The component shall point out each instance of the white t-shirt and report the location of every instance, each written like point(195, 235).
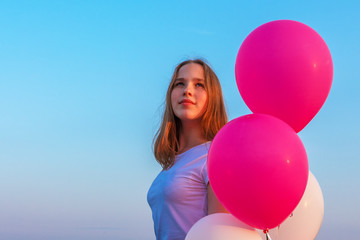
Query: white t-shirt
point(178, 196)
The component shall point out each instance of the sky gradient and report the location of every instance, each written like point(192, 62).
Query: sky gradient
point(82, 86)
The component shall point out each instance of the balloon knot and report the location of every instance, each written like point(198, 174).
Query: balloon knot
point(267, 234)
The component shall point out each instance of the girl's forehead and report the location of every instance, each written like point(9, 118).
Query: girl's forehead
point(191, 70)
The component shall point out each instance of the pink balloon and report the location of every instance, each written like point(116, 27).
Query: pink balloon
point(258, 169)
point(284, 68)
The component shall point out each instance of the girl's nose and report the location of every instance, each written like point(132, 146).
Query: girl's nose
point(187, 91)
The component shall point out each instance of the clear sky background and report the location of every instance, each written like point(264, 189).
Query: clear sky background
point(82, 85)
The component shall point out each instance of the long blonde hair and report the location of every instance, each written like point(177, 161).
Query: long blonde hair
point(166, 140)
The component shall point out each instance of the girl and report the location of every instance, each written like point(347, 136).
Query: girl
point(194, 112)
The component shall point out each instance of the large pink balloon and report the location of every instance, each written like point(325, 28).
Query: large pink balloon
point(284, 68)
point(258, 169)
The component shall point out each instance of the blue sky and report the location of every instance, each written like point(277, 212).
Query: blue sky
point(82, 85)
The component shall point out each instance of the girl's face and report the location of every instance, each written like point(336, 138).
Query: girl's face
point(189, 97)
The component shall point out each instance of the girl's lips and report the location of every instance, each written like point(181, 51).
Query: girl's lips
point(186, 104)
point(186, 101)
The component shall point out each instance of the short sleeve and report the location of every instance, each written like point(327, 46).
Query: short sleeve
point(204, 173)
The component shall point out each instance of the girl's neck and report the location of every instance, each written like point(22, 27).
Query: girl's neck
point(190, 136)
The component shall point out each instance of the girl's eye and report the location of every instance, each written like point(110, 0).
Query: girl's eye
point(200, 85)
point(179, 84)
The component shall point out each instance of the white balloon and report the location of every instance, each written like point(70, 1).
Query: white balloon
point(305, 221)
point(221, 226)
